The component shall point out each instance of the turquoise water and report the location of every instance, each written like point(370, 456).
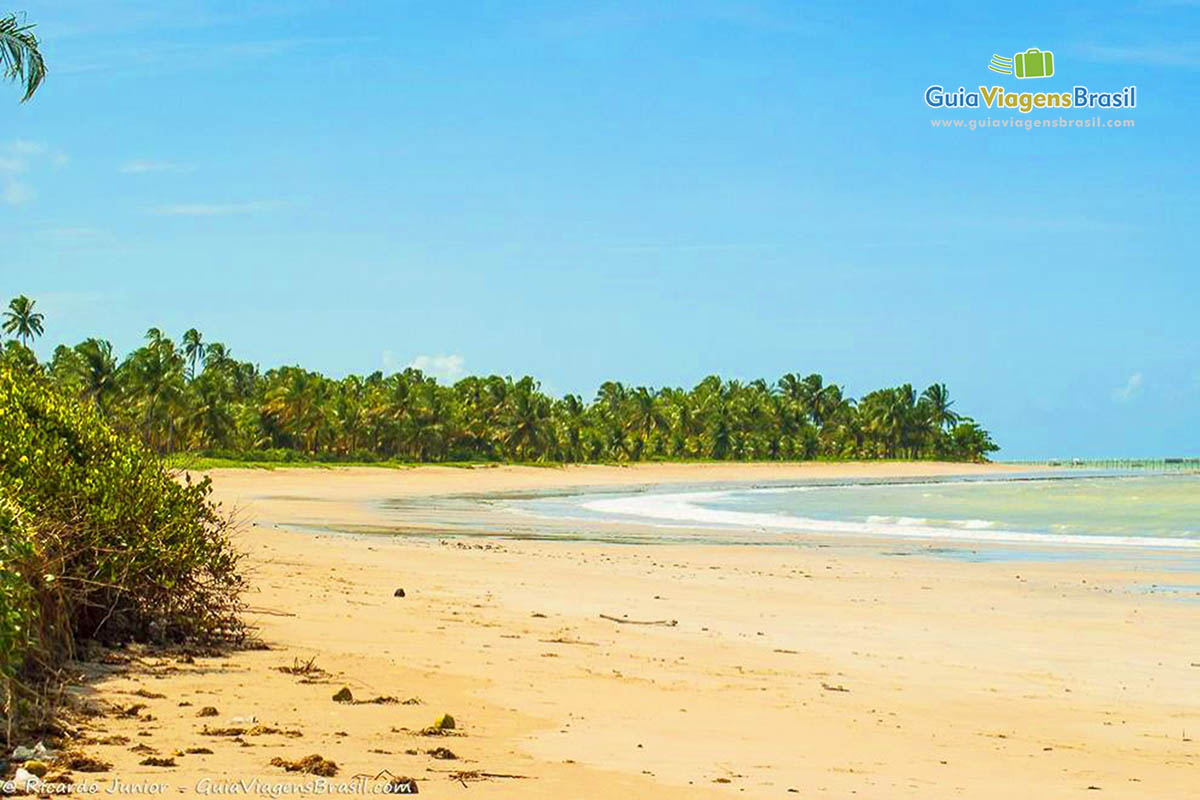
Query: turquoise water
point(1112, 510)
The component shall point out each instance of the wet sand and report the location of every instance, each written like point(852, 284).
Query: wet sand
point(830, 670)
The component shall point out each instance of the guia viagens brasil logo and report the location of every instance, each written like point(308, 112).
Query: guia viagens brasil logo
point(1029, 64)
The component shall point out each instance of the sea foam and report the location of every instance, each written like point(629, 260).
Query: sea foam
point(687, 509)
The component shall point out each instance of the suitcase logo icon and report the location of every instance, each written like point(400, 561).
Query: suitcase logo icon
point(1033, 63)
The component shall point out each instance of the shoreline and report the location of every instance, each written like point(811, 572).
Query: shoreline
point(447, 510)
point(821, 669)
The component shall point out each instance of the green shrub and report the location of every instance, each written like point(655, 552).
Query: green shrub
point(16, 553)
point(97, 541)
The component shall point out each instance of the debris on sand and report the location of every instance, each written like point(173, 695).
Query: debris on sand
point(669, 623)
point(307, 669)
point(266, 730)
point(312, 765)
point(82, 763)
point(387, 700)
point(829, 687)
point(38, 751)
point(149, 695)
point(463, 776)
point(398, 593)
point(442, 753)
point(155, 761)
point(24, 781)
point(344, 696)
point(38, 768)
point(198, 751)
point(434, 730)
point(444, 723)
point(208, 711)
point(131, 711)
point(207, 731)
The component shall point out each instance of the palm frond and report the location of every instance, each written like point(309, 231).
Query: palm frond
point(20, 58)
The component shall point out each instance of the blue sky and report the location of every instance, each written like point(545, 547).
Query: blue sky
point(642, 191)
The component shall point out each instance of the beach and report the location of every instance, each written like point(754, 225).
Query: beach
point(585, 669)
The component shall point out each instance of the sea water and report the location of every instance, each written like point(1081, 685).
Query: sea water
point(1150, 511)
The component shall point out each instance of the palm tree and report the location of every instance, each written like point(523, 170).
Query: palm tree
point(937, 401)
point(643, 417)
point(193, 350)
point(526, 420)
point(156, 374)
point(216, 355)
point(22, 321)
point(97, 371)
point(211, 416)
point(20, 58)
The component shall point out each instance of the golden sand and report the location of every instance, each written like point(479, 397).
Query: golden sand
point(832, 670)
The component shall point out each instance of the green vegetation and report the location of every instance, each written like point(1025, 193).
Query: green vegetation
point(197, 398)
point(97, 542)
point(20, 58)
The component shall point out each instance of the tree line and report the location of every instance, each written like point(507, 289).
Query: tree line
point(196, 396)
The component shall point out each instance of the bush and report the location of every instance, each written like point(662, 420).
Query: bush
point(97, 541)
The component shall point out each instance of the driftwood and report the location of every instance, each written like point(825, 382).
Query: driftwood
point(269, 612)
point(462, 776)
point(670, 623)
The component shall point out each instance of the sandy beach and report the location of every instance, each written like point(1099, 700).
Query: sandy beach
point(833, 670)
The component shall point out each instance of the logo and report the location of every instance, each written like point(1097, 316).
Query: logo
point(396, 784)
point(1033, 63)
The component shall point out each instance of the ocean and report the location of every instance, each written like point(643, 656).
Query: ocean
point(1092, 509)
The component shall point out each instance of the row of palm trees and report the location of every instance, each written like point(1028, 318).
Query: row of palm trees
point(195, 396)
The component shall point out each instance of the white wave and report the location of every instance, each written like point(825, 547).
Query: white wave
point(974, 524)
point(683, 510)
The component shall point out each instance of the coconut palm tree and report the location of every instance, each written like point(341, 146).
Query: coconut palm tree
point(216, 356)
point(193, 350)
point(97, 372)
point(155, 374)
point(937, 401)
point(20, 59)
point(210, 418)
point(22, 321)
point(526, 420)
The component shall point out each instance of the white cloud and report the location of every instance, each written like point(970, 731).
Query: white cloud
point(24, 156)
point(25, 147)
point(16, 193)
point(211, 209)
point(140, 166)
point(1131, 389)
point(446, 368)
